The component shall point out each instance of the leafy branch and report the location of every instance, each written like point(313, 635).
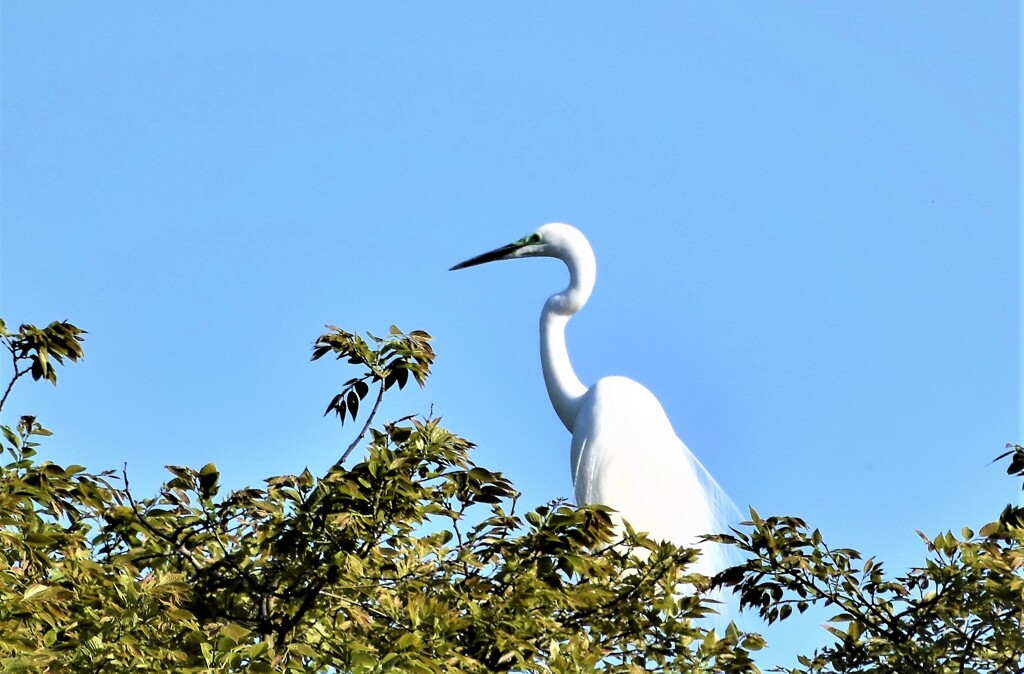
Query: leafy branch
point(390, 361)
point(414, 559)
point(34, 350)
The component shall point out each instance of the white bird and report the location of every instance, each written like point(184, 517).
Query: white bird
point(625, 453)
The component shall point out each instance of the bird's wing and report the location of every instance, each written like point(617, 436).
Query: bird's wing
point(627, 456)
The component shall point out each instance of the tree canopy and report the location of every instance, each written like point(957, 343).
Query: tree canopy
point(415, 559)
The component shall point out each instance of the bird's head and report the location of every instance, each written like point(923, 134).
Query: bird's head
point(554, 239)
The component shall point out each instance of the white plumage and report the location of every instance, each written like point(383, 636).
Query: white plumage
point(625, 453)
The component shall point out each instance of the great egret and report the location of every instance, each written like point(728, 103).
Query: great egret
point(625, 454)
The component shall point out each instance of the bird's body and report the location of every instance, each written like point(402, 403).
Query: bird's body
point(625, 453)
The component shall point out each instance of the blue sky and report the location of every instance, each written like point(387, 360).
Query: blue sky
point(806, 218)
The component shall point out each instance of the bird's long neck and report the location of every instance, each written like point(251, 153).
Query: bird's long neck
point(564, 387)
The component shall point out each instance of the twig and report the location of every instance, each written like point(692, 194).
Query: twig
point(17, 374)
point(307, 603)
point(142, 520)
point(366, 426)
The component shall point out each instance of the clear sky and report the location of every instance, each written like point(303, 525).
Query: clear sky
point(806, 218)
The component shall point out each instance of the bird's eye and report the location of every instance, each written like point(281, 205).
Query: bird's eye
point(534, 238)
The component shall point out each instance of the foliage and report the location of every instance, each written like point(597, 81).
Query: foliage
point(413, 559)
point(389, 364)
point(962, 611)
point(33, 350)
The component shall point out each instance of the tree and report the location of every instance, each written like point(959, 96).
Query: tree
point(413, 559)
point(961, 611)
point(416, 559)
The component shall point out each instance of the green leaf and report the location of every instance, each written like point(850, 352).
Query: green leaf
point(352, 401)
point(990, 529)
point(207, 651)
point(11, 436)
point(361, 389)
point(235, 632)
point(304, 650)
point(35, 591)
point(209, 479)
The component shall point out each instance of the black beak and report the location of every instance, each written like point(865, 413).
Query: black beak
point(490, 256)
